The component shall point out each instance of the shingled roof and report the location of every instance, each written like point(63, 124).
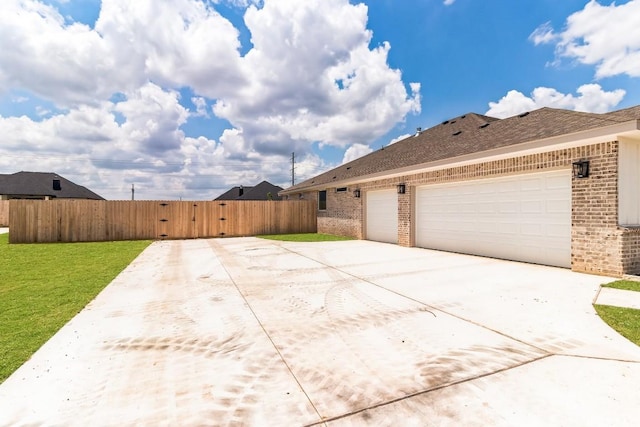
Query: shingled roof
point(261, 192)
point(39, 184)
point(258, 192)
point(464, 135)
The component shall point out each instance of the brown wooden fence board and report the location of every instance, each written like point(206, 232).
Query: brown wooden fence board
point(4, 213)
point(34, 221)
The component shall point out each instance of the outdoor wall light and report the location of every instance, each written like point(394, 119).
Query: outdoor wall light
point(401, 188)
point(356, 193)
point(581, 169)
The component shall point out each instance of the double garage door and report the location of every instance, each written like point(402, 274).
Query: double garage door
point(522, 218)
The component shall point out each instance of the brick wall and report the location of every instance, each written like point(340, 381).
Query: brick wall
point(595, 237)
point(630, 250)
point(343, 216)
point(405, 213)
point(598, 244)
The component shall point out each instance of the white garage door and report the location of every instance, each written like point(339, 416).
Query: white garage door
point(382, 216)
point(522, 218)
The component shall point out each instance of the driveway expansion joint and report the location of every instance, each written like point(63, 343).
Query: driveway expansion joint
point(228, 260)
point(429, 390)
point(432, 308)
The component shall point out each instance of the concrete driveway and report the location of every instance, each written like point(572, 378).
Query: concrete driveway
point(247, 331)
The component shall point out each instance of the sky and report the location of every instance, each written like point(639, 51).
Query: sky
point(184, 99)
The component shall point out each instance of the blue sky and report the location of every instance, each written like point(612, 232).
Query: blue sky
point(186, 98)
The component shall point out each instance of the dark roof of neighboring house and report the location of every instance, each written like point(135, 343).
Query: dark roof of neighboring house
point(233, 193)
point(468, 134)
point(41, 184)
point(258, 192)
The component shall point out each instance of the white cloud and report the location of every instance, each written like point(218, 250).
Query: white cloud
point(88, 145)
point(60, 62)
point(355, 152)
point(449, 2)
point(309, 77)
point(543, 34)
point(591, 99)
point(153, 120)
point(607, 37)
point(239, 3)
point(201, 106)
point(313, 78)
point(175, 44)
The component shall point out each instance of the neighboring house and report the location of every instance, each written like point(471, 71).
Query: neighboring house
point(550, 186)
point(43, 186)
point(263, 191)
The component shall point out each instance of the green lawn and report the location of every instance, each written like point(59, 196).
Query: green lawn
point(42, 286)
point(626, 321)
point(305, 237)
point(627, 285)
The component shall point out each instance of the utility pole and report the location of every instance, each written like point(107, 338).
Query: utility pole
point(293, 169)
point(132, 192)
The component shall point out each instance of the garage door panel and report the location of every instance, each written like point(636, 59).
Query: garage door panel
point(484, 207)
point(557, 182)
point(528, 226)
point(532, 206)
point(524, 218)
point(382, 216)
point(558, 206)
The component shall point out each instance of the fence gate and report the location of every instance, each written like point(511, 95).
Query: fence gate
point(177, 220)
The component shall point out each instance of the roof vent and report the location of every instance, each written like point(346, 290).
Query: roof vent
point(445, 122)
point(418, 130)
point(462, 117)
point(484, 125)
point(333, 177)
point(348, 167)
point(453, 121)
point(523, 114)
point(457, 133)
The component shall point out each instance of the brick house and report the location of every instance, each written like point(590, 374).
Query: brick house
point(550, 186)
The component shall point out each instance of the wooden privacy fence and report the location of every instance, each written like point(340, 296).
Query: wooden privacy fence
point(4, 213)
point(42, 221)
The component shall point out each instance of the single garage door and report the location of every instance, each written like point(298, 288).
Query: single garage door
point(382, 216)
point(522, 218)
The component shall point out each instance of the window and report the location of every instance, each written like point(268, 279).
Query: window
point(322, 200)
point(341, 189)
